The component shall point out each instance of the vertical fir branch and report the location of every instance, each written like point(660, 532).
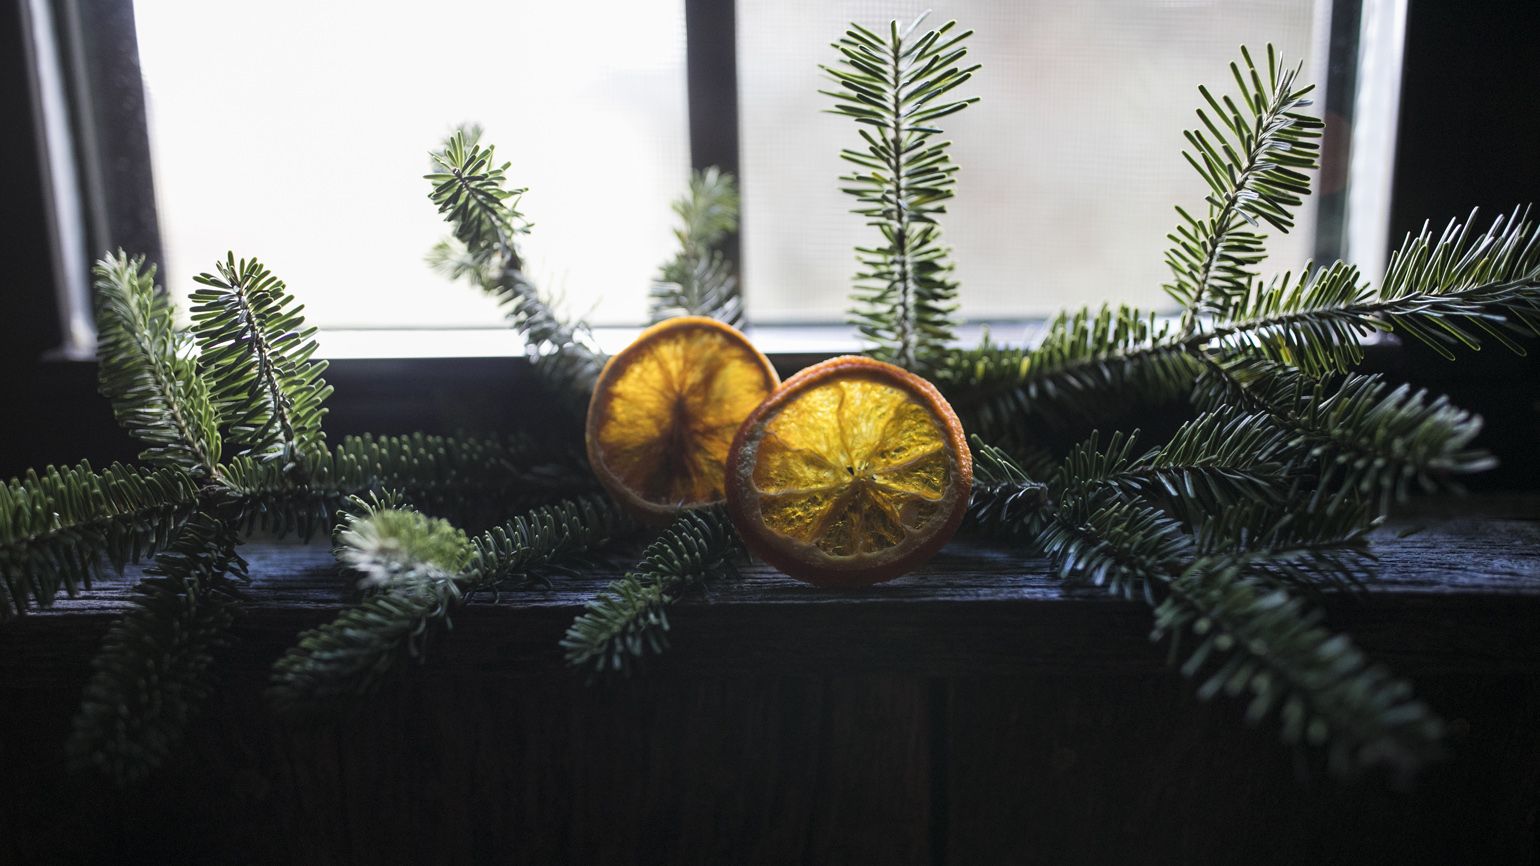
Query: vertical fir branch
point(1254, 157)
point(257, 353)
point(891, 86)
point(699, 280)
point(147, 370)
point(152, 672)
point(470, 191)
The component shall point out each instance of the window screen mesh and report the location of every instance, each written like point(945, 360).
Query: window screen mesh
point(1070, 163)
point(298, 132)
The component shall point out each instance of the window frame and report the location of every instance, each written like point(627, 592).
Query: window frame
point(105, 125)
point(55, 381)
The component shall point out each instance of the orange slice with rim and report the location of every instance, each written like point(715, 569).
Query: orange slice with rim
point(664, 411)
point(852, 472)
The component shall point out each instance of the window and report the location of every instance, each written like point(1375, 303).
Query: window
point(298, 132)
point(1070, 162)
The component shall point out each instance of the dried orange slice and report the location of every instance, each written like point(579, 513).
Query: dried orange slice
point(853, 472)
point(664, 411)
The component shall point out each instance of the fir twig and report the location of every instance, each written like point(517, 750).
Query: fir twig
point(699, 280)
point(466, 478)
point(59, 529)
point(629, 619)
point(419, 569)
point(470, 190)
point(147, 370)
point(1217, 460)
point(1452, 291)
point(152, 672)
point(894, 86)
point(1225, 591)
point(1259, 642)
point(1089, 363)
point(257, 353)
point(1253, 151)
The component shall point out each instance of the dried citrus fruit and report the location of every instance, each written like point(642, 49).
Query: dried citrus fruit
point(852, 472)
point(664, 411)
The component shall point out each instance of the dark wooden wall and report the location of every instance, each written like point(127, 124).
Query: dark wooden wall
point(976, 713)
point(852, 768)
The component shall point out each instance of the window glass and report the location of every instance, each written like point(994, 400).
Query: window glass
point(1070, 163)
point(298, 132)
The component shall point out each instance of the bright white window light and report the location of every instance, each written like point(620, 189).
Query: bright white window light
point(1070, 163)
point(298, 132)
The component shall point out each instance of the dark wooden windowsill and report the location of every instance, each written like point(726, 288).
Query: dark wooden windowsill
point(1463, 592)
point(977, 712)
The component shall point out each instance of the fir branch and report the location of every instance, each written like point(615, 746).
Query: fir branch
point(699, 281)
point(629, 619)
point(412, 563)
point(146, 369)
point(1315, 322)
point(546, 541)
point(1368, 439)
point(468, 478)
point(256, 351)
point(1254, 151)
point(152, 673)
point(1088, 363)
point(1226, 589)
point(893, 87)
point(1452, 293)
point(471, 193)
point(421, 569)
point(1005, 500)
point(1214, 461)
point(1257, 640)
point(1126, 546)
point(59, 528)
point(1297, 547)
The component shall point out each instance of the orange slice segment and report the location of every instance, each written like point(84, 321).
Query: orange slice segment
point(664, 411)
point(853, 472)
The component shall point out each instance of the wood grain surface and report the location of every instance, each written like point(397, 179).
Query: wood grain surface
point(976, 712)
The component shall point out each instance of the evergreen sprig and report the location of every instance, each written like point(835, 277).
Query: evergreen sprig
point(471, 479)
point(629, 619)
point(256, 352)
point(409, 564)
point(699, 280)
point(1368, 438)
point(419, 569)
point(470, 189)
point(152, 674)
point(1258, 642)
point(895, 86)
point(1253, 151)
point(1089, 363)
point(1452, 291)
point(1325, 547)
point(1225, 589)
point(147, 369)
point(1214, 461)
point(59, 529)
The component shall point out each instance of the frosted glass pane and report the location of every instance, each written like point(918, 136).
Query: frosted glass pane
point(298, 132)
point(1070, 164)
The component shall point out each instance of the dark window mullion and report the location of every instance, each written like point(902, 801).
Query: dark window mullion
point(102, 48)
point(711, 58)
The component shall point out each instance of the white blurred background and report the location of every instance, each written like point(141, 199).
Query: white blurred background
point(298, 132)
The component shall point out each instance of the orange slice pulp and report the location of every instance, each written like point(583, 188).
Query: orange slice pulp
point(664, 411)
point(853, 472)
